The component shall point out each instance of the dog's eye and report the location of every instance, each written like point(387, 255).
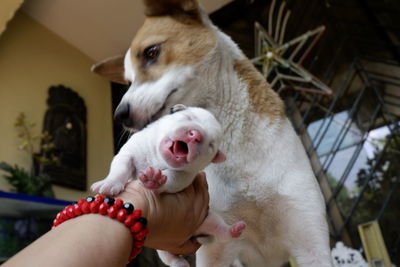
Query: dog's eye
point(151, 53)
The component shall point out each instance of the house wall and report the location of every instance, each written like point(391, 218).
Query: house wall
point(7, 10)
point(31, 60)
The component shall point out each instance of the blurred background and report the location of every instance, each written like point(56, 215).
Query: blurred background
point(336, 63)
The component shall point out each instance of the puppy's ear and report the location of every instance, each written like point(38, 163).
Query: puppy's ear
point(220, 157)
point(178, 8)
point(111, 68)
point(177, 107)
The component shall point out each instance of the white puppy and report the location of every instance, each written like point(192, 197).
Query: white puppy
point(166, 156)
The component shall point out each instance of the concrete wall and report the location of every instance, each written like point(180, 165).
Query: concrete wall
point(31, 60)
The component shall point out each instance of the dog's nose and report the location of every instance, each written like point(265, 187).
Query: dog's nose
point(122, 115)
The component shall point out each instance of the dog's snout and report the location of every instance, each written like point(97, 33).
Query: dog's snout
point(122, 115)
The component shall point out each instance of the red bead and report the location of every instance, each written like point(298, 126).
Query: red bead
point(138, 244)
point(112, 212)
point(77, 210)
point(134, 253)
point(81, 201)
point(137, 226)
point(121, 215)
point(99, 198)
point(141, 235)
point(130, 220)
point(59, 216)
point(70, 211)
point(65, 215)
point(94, 207)
point(85, 207)
point(103, 208)
point(56, 222)
point(137, 213)
point(118, 203)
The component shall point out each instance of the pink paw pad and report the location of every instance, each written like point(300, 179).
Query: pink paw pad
point(236, 229)
point(152, 179)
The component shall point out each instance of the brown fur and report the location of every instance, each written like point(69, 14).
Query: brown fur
point(177, 8)
point(265, 101)
point(181, 44)
point(111, 68)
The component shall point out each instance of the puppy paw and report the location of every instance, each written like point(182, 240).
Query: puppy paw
point(236, 229)
point(107, 187)
point(152, 179)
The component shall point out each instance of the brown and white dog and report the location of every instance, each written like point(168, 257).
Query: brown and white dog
point(178, 56)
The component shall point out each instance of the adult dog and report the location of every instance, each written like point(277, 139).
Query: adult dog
point(178, 56)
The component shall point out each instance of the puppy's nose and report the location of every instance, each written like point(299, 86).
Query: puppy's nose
point(122, 115)
point(195, 136)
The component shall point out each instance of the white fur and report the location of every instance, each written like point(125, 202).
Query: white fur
point(142, 151)
point(128, 74)
point(147, 98)
point(343, 256)
point(267, 180)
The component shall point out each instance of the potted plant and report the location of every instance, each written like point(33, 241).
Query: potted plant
point(34, 181)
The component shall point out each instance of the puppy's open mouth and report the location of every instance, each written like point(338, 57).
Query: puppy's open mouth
point(159, 113)
point(179, 149)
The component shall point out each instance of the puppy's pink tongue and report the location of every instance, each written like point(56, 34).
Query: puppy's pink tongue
point(180, 149)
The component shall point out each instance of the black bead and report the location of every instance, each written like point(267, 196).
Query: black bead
point(143, 221)
point(90, 199)
point(128, 207)
point(109, 200)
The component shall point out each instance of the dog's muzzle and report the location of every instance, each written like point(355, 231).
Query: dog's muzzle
point(122, 115)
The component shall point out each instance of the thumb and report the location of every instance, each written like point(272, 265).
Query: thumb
point(187, 248)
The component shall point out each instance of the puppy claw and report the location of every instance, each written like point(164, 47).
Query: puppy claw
point(237, 228)
point(152, 179)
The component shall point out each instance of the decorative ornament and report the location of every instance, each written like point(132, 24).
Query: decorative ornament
point(279, 61)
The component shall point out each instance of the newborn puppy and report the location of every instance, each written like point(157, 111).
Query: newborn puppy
point(166, 156)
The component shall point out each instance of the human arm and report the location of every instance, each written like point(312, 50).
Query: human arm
point(95, 240)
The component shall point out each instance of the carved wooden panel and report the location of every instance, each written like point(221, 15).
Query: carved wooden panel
point(65, 120)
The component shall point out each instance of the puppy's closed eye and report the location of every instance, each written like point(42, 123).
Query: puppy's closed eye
point(177, 107)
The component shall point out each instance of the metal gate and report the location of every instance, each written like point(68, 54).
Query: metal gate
point(353, 136)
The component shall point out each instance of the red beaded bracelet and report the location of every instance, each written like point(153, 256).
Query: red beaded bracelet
point(113, 208)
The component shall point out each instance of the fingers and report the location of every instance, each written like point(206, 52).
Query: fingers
point(189, 247)
point(201, 188)
point(200, 181)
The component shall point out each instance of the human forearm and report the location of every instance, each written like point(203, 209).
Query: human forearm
point(90, 240)
point(96, 240)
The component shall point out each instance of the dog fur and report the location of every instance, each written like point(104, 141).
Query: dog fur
point(166, 156)
point(267, 180)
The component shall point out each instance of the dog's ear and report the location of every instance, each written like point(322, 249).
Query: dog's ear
point(111, 68)
point(220, 157)
point(178, 8)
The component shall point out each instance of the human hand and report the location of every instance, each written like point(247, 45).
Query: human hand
point(172, 218)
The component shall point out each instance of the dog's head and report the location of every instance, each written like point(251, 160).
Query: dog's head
point(160, 64)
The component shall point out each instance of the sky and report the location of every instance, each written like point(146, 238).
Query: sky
point(348, 146)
